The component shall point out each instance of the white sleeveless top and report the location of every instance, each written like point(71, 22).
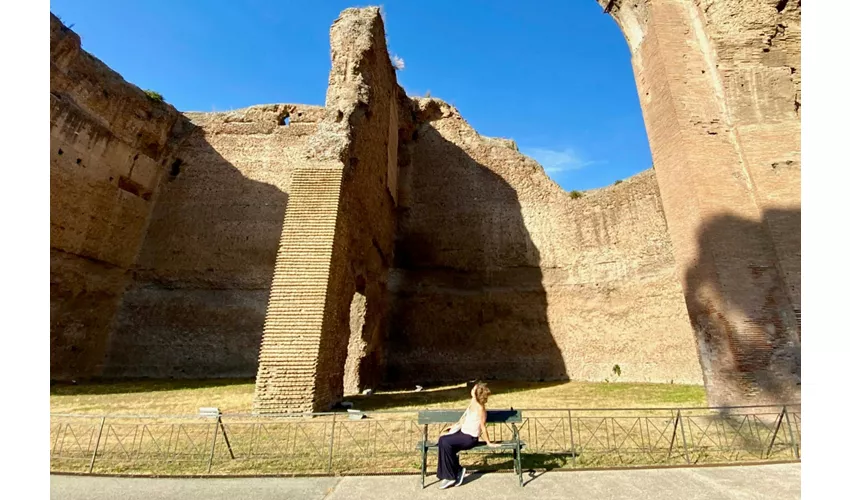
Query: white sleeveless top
point(471, 425)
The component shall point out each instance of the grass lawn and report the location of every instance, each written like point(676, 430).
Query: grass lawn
point(175, 397)
point(387, 442)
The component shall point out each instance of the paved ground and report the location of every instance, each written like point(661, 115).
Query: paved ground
point(774, 482)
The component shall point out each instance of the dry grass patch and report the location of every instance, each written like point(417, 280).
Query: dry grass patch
point(184, 397)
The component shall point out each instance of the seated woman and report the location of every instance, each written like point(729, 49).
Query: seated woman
point(463, 436)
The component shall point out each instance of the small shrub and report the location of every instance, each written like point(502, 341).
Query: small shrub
point(618, 181)
point(427, 93)
point(616, 370)
point(154, 96)
point(575, 194)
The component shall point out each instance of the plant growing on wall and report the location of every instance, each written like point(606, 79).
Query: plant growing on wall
point(154, 95)
point(576, 194)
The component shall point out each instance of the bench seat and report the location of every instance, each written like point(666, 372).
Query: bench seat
point(513, 445)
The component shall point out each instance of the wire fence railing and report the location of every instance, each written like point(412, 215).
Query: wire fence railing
point(385, 441)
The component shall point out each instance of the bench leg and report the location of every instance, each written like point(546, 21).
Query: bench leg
point(519, 463)
point(424, 463)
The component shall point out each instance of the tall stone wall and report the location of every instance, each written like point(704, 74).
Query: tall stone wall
point(414, 244)
point(201, 285)
point(720, 102)
point(336, 244)
point(109, 144)
point(500, 274)
point(759, 72)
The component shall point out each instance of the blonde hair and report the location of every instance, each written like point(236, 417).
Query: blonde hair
point(482, 392)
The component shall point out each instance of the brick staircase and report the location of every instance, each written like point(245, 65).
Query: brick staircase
point(293, 327)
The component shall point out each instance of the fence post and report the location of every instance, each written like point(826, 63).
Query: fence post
point(775, 432)
point(673, 439)
point(96, 444)
point(212, 448)
point(572, 443)
point(331, 448)
point(226, 440)
point(793, 437)
point(684, 441)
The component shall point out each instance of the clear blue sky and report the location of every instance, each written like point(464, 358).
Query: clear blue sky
point(555, 77)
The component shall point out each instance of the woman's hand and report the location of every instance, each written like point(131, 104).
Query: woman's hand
point(493, 445)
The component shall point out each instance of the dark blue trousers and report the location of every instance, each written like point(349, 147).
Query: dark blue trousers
point(448, 463)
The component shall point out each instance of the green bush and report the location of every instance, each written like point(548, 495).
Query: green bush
point(154, 96)
point(575, 194)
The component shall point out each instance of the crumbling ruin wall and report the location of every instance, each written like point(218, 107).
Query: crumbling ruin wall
point(718, 83)
point(500, 274)
point(337, 240)
point(109, 144)
point(201, 285)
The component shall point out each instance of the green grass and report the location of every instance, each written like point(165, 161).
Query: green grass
point(174, 397)
point(383, 442)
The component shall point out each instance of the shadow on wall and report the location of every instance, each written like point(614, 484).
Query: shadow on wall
point(198, 301)
point(742, 309)
point(467, 296)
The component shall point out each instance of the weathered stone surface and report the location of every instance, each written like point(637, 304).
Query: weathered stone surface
point(720, 106)
point(108, 144)
point(413, 249)
point(201, 285)
point(500, 274)
point(345, 208)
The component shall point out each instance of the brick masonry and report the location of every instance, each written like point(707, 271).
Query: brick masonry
point(381, 240)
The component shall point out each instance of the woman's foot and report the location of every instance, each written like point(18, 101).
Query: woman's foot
point(461, 476)
point(447, 483)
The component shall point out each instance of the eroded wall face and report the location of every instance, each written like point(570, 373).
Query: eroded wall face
point(499, 274)
point(198, 299)
point(337, 237)
point(757, 46)
point(721, 122)
point(108, 145)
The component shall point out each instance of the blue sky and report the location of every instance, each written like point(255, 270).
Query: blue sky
point(554, 75)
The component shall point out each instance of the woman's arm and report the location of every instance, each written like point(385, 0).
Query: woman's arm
point(483, 424)
point(457, 424)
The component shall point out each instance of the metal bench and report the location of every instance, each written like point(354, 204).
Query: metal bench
point(514, 445)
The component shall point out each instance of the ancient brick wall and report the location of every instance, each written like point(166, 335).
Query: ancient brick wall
point(720, 112)
point(230, 221)
point(109, 144)
point(337, 238)
point(757, 45)
point(201, 285)
point(500, 274)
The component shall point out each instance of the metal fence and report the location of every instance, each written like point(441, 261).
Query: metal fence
point(385, 441)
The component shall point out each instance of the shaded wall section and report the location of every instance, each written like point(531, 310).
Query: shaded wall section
point(109, 144)
point(198, 299)
point(500, 274)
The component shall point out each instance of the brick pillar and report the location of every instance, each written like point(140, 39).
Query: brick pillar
point(739, 306)
point(295, 320)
